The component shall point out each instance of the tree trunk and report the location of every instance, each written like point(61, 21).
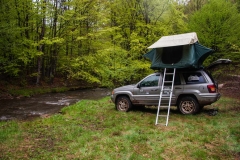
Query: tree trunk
point(41, 47)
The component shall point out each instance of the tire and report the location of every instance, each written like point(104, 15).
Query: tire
point(123, 104)
point(188, 105)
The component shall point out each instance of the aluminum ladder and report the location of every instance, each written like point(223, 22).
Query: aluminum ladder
point(167, 90)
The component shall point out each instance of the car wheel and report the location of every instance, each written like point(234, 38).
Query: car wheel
point(188, 105)
point(123, 104)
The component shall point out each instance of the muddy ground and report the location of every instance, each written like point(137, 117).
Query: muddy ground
point(230, 88)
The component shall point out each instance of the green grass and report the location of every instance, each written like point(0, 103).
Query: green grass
point(95, 130)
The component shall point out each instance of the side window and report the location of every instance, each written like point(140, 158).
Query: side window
point(150, 81)
point(193, 78)
point(177, 80)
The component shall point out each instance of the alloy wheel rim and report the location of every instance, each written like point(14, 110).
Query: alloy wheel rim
point(123, 105)
point(188, 106)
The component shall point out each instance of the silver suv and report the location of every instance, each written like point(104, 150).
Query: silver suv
point(193, 89)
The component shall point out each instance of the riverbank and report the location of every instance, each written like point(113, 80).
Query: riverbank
point(229, 87)
point(11, 89)
point(46, 104)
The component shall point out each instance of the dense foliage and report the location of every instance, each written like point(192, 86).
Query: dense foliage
point(102, 41)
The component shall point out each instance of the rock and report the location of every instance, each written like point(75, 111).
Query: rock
point(220, 86)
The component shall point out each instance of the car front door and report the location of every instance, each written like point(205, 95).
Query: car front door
point(148, 90)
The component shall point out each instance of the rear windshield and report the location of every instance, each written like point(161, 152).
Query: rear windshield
point(194, 78)
point(211, 77)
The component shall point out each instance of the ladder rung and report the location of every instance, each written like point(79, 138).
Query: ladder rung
point(167, 89)
point(161, 124)
point(164, 106)
point(162, 115)
point(169, 73)
point(168, 81)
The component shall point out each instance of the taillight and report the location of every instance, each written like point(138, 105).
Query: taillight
point(212, 88)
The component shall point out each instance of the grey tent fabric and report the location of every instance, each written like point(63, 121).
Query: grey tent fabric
point(178, 51)
point(192, 56)
point(175, 40)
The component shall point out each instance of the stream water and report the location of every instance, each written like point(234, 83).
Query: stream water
point(45, 104)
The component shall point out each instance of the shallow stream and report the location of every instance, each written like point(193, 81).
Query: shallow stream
point(45, 104)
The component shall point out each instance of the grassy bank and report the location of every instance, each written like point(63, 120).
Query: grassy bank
point(95, 130)
point(13, 89)
point(28, 92)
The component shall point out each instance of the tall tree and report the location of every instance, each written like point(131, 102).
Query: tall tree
point(192, 6)
point(92, 40)
point(217, 25)
point(41, 29)
point(17, 47)
point(237, 2)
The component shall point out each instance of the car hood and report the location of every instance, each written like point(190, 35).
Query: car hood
point(125, 88)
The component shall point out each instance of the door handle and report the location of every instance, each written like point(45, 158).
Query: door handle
point(154, 89)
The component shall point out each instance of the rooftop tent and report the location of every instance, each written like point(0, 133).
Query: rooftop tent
point(178, 51)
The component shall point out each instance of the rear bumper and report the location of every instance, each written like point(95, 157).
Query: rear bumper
point(207, 99)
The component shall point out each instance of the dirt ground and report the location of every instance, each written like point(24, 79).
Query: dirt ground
point(231, 91)
point(230, 88)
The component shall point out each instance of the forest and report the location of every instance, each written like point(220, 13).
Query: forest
point(103, 41)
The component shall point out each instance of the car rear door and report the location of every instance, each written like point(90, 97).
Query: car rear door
point(177, 89)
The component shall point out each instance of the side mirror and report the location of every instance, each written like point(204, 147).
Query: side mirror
point(138, 86)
